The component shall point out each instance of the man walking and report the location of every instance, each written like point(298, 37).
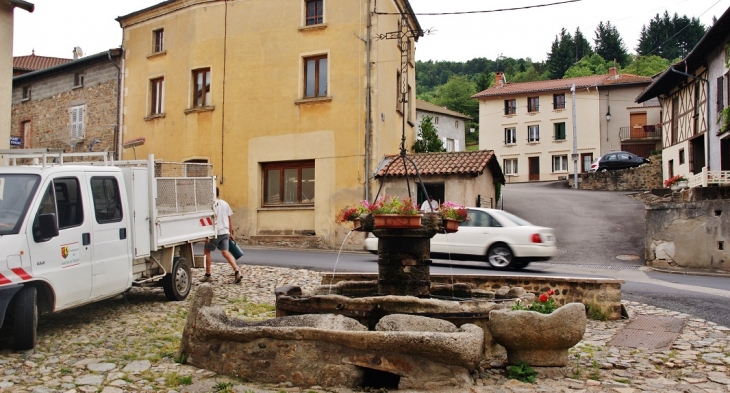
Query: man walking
point(224, 230)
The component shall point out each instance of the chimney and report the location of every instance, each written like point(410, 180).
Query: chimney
point(613, 73)
point(76, 55)
point(498, 79)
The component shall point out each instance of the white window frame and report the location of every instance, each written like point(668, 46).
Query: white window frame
point(77, 116)
point(159, 103)
point(510, 136)
point(449, 144)
point(533, 133)
point(510, 166)
point(560, 163)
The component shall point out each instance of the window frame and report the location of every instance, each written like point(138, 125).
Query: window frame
point(79, 79)
point(556, 131)
point(510, 107)
point(510, 166)
point(512, 137)
point(557, 102)
point(157, 96)
point(204, 100)
point(536, 129)
point(158, 40)
point(77, 126)
point(27, 92)
point(318, 17)
point(281, 166)
point(115, 202)
point(317, 76)
point(562, 163)
point(533, 104)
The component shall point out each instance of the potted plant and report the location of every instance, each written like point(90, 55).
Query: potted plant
point(540, 333)
point(453, 214)
point(353, 213)
point(394, 212)
point(683, 182)
point(676, 182)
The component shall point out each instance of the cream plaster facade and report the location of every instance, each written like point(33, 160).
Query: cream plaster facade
point(255, 50)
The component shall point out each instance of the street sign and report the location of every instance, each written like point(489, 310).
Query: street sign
point(574, 156)
point(16, 141)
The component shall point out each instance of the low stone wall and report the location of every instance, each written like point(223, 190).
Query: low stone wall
point(604, 294)
point(645, 177)
point(689, 231)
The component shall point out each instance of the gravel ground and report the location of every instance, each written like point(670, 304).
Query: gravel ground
point(128, 344)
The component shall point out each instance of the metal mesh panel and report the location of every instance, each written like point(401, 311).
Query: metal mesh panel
point(184, 195)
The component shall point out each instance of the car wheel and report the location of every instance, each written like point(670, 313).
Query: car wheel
point(177, 283)
point(500, 256)
point(25, 319)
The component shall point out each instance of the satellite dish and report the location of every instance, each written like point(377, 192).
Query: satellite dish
point(78, 52)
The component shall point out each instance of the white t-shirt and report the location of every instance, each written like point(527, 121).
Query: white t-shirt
point(222, 211)
point(426, 209)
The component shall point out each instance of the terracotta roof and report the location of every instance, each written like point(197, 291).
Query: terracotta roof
point(33, 62)
point(463, 163)
point(429, 107)
point(562, 84)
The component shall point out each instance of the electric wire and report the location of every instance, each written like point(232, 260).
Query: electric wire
point(482, 12)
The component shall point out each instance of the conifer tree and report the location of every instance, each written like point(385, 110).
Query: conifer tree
point(670, 37)
point(610, 45)
point(429, 141)
point(561, 56)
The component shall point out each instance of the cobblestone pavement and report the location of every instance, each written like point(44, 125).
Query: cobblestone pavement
point(129, 345)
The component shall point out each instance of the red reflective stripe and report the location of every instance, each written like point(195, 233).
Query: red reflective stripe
point(210, 222)
point(202, 222)
point(21, 273)
point(4, 280)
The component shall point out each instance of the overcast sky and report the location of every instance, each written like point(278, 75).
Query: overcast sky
point(57, 26)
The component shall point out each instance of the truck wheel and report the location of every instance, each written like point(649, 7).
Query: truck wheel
point(177, 283)
point(26, 318)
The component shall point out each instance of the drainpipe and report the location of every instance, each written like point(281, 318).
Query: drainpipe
point(368, 105)
point(118, 126)
point(223, 89)
point(707, 99)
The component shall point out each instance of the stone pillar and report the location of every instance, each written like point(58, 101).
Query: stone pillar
point(404, 261)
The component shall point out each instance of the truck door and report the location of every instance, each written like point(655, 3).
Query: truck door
point(111, 261)
point(64, 260)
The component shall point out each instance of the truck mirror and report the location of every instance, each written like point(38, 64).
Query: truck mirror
point(45, 227)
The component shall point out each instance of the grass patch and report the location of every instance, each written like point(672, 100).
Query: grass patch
point(595, 371)
point(253, 310)
point(595, 312)
point(522, 372)
point(621, 380)
point(175, 379)
point(224, 387)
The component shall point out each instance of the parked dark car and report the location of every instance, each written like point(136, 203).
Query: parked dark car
point(617, 160)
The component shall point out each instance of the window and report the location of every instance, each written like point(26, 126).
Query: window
point(510, 166)
point(398, 95)
point(510, 136)
point(315, 76)
point(107, 201)
point(26, 92)
point(533, 133)
point(675, 120)
point(436, 120)
point(681, 156)
point(201, 83)
point(157, 96)
point(533, 104)
point(449, 145)
point(510, 107)
point(559, 131)
point(159, 37)
point(560, 163)
point(558, 101)
point(719, 101)
point(68, 202)
point(456, 123)
point(78, 80)
point(315, 12)
point(78, 131)
point(289, 183)
point(479, 218)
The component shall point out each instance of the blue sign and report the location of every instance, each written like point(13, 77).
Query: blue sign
point(16, 141)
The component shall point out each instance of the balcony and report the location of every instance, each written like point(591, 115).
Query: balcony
point(641, 133)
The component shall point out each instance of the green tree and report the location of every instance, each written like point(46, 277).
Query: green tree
point(589, 65)
point(429, 141)
point(646, 65)
point(561, 56)
point(669, 37)
point(581, 45)
point(456, 95)
point(610, 45)
point(484, 80)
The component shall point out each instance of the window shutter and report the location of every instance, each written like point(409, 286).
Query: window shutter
point(456, 145)
point(80, 125)
point(72, 121)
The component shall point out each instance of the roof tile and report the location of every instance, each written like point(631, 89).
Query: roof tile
point(562, 84)
point(463, 162)
point(33, 62)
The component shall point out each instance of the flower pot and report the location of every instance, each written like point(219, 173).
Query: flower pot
point(674, 187)
point(682, 184)
point(451, 225)
point(397, 220)
point(356, 224)
point(539, 339)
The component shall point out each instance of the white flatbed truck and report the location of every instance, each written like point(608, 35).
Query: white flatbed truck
point(76, 228)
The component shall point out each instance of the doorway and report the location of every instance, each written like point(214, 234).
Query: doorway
point(586, 160)
point(725, 154)
point(435, 190)
point(534, 164)
point(697, 146)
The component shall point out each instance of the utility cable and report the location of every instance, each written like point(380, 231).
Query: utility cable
point(482, 12)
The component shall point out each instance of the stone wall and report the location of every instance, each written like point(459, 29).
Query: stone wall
point(690, 230)
point(645, 177)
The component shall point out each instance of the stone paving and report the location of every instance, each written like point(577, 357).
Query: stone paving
point(129, 345)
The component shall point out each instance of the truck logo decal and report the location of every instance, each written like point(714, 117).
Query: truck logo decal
point(64, 252)
point(206, 221)
point(70, 254)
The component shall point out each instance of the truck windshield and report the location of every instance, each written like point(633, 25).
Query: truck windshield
point(16, 193)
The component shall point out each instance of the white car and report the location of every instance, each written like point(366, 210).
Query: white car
point(505, 240)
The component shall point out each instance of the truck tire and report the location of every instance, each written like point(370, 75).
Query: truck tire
point(177, 283)
point(25, 319)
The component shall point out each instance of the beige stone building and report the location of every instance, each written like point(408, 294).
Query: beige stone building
point(294, 102)
point(530, 125)
point(7, 8)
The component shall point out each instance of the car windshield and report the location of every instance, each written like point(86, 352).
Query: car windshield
point(16, 192)
point(515, 219)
